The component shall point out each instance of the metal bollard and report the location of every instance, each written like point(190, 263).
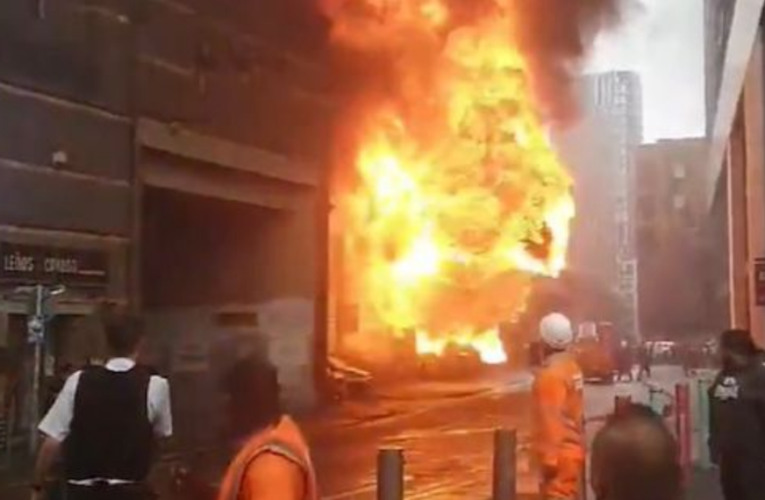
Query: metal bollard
point(621, 403)
point(505, 465)
point(683, 423)
point(390, 474)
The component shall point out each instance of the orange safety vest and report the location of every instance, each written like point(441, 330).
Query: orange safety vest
point(285, 440)
point(558, 394)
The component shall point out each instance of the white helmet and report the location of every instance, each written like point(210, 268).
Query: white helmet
point(556, 331)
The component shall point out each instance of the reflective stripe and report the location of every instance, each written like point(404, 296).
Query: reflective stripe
point(286, 452)
point(276, 447)
point(96, 481)
point(571, 440)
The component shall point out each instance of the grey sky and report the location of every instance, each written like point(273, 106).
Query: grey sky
point(664, 41)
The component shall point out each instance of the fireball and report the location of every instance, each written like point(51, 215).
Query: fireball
point(459, 200)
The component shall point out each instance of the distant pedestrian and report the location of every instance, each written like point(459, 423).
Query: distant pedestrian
point(645, 360)
point(737, 418)
point(635, 457)
point(108, 419)
point(624, 362)
point(688, 359)
point(558, 412)
point(274, 461)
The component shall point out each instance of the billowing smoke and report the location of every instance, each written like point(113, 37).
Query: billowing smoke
point(555, 37)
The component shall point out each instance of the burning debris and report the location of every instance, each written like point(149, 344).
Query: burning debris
point(457, 199)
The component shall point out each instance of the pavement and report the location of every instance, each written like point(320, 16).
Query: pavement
point(446, 431)
point(704, 484)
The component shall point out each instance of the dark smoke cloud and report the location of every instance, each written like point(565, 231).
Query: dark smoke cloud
point(556, 36)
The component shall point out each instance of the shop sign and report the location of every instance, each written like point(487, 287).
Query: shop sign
point(759, 282)
point(30, 264)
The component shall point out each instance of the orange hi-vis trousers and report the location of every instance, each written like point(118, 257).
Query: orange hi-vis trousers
point(566, 484)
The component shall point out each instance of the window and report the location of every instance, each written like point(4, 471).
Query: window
point(647, 208)
point(678, 201)
point(678, 171)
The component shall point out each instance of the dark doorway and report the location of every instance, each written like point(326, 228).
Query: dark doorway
point(199, 251)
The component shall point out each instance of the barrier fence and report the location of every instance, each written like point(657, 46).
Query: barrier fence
point(689, 415)
point(685, 409)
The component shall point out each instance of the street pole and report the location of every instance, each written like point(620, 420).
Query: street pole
point(682, 423)
point(36, 331)
point(36, 335)
point(621, 404)
point(703, 421)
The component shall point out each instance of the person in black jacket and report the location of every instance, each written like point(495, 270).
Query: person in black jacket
point(737, 418)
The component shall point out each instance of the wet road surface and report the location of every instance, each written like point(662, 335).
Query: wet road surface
point(448, 449)
point(448, 443)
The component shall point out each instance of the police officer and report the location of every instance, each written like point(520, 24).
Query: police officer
point(737, 418)
point(106, 421)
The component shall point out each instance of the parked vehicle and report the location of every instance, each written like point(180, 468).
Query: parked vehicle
point(595, 352)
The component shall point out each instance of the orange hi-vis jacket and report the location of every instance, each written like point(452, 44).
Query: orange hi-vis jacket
point(558, 395)
point(277, 460)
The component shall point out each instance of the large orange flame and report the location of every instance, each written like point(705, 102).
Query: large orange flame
point(460, 199)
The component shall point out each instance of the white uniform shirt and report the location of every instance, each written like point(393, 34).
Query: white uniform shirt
point(57, 423)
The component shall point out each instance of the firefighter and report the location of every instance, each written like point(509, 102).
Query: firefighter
point(274, 461)
point(558, 406)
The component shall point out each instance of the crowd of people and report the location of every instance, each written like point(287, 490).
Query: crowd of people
point(104, 427)
point(634, 361)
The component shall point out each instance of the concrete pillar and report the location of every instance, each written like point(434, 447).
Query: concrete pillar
point(737, 236)
point(336, 284)
point(3, 329)
point(754, 134)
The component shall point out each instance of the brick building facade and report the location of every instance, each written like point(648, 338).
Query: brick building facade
point(671, 188)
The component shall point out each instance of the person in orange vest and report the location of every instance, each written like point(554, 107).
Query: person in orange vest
point(558, 411)
point(273, 462)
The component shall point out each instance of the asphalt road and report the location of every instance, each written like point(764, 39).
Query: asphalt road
point(448, 443)
point(447, 446)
